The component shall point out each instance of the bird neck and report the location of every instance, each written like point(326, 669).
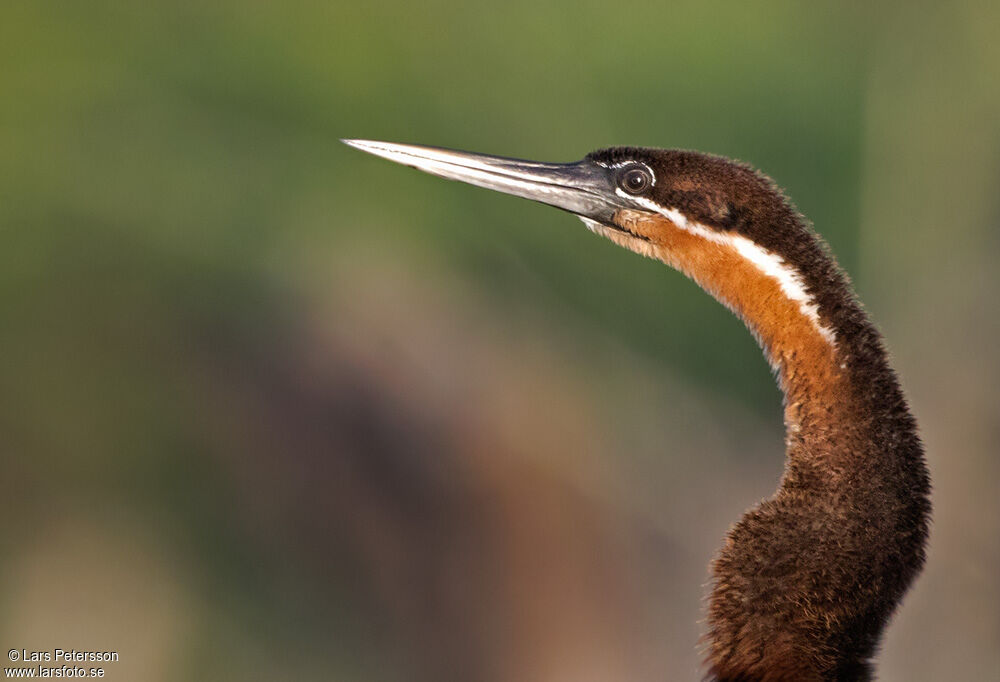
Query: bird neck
point(768, 294)
point(806, 581)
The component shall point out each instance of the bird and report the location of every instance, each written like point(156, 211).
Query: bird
point(807, 580)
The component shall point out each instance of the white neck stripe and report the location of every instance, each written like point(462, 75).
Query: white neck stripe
point(770, 264)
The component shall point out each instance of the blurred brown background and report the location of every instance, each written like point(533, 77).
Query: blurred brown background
point(273, 409)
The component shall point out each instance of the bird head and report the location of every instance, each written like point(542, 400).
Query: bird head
point(636, 196)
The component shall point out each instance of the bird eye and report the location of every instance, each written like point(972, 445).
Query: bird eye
point(635, 179)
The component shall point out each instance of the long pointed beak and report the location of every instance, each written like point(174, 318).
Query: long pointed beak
point(583, 188)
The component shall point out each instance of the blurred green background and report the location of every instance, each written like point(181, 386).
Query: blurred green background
point(274, 409)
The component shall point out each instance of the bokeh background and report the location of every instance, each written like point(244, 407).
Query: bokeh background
point(274, 409)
